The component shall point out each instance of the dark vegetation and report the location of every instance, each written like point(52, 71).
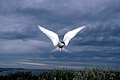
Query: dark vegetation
point(87, 74)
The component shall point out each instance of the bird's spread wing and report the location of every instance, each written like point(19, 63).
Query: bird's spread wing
point(53, 36)
point(69, 35)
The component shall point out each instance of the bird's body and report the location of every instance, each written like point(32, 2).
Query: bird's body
point(61, 45)
point(54, 37)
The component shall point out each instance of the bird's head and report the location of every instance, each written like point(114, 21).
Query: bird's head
point(63, 43)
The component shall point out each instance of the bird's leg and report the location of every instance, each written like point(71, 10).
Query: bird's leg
point(59, 49)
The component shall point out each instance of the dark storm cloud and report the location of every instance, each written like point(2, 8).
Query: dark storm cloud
point(102, 35)
point(19, 32)
point(23, 47)
point(65, 12)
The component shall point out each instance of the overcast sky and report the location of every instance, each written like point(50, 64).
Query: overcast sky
point(22, 44)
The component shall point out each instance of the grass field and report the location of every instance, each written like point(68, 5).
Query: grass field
point(87, 74)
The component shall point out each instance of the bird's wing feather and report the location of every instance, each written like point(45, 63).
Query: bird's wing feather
point(69, 35)
point(53, 36)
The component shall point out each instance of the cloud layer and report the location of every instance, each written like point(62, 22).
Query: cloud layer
point(98, 44)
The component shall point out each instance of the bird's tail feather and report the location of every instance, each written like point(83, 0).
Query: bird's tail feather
point(58, 49)
point(65, 50)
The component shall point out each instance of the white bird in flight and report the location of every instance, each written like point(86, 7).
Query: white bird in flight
point(54, 37)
